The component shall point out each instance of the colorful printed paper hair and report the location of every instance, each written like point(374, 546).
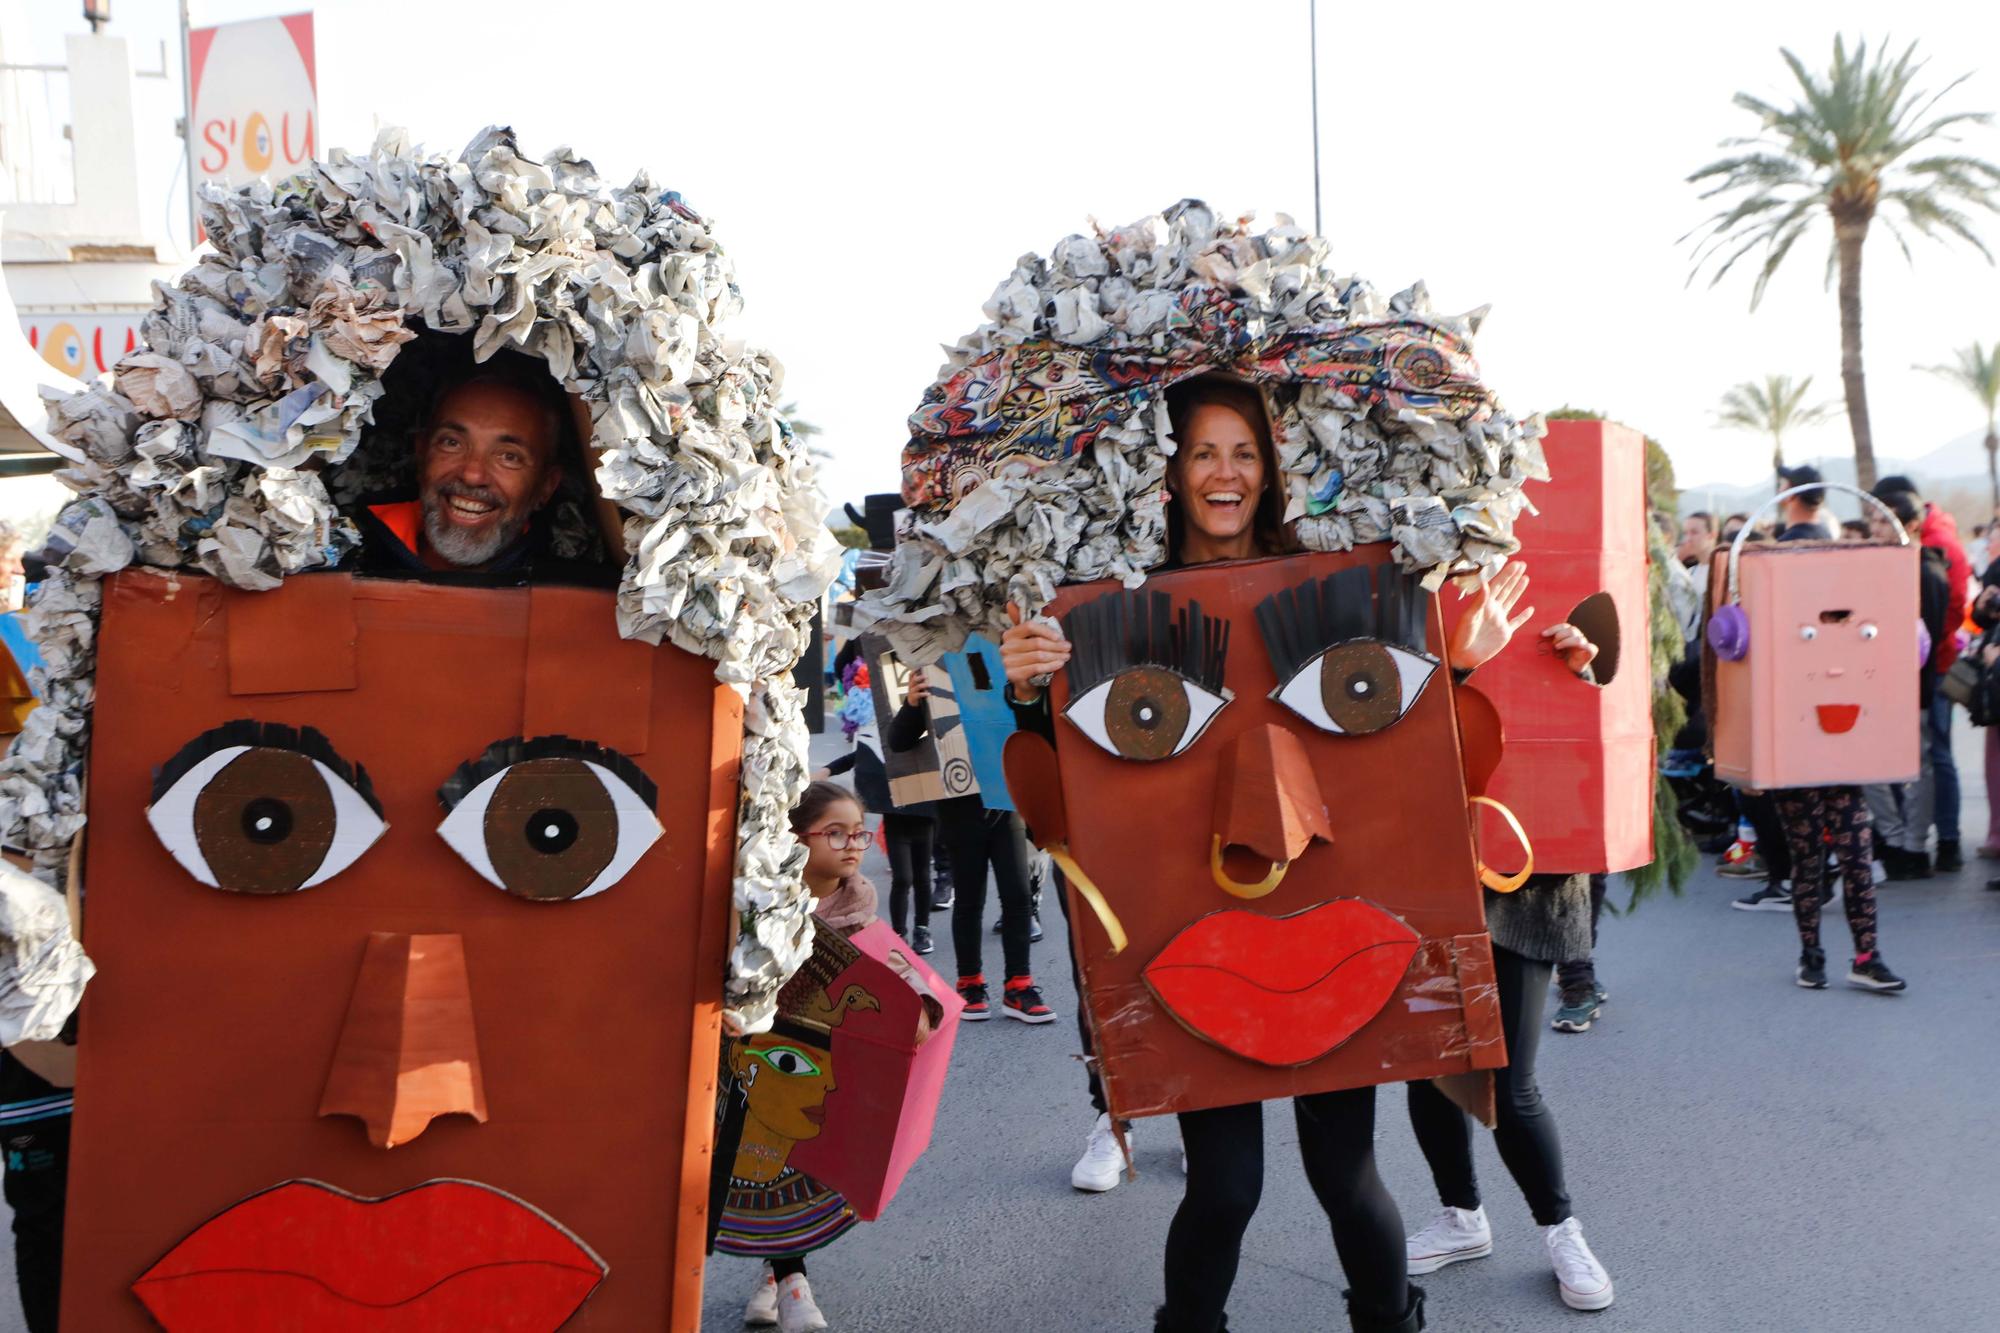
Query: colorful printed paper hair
point(225, 441)
point(1039, 456)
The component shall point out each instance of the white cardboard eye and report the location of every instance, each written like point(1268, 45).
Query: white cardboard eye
point(1087, 712)
point(464, 830)
point(1301, 693)
point(356, 825)
point(1869, 631)
point(1808, 632)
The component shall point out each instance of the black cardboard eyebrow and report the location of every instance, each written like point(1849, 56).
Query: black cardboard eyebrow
point(269, 736)
point(1301, 622)
point(503, 755)
point(1126, 629)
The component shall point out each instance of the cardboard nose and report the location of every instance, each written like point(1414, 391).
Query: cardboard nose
point(408, 1052)
point(1267, 801)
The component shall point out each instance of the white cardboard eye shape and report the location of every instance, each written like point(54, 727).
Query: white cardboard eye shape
point(464, 830)
point(356, 825)
point(1087, 713)
point(1301, 693)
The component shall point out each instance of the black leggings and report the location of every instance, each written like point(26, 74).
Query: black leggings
point(1225, 1159)
point(976, 838)
point(909, 838)
point(1082, 1011)
point(1526, 1134)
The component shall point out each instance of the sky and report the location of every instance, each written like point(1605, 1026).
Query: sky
point(875, 169)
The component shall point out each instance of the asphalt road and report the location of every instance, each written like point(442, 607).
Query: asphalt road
point(1744, 1154)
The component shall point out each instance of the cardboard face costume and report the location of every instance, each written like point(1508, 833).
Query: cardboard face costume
point(378, 858)
point(411, 922)
point(978, 683)
point(1285, 724)
point(1256, 788)
point(1577, 769)
point(1811, 659)
point(832, 1108)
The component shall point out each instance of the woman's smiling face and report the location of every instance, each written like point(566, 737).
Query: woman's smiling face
point(1218, 473)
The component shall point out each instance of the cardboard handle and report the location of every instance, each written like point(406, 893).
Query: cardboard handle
point(1736, 547)
point(1492, 878)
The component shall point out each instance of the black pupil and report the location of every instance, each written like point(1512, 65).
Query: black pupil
point(1361, 685)
point(551, 831)
point(1146, 712)
point(267, 819)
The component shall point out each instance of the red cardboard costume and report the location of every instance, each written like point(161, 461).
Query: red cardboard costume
point(1578, 765)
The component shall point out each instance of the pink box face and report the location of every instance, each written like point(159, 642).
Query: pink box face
point(1577, 769)
point(1827, 694)
point(879, 1117)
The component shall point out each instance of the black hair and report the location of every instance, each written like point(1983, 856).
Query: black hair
point(1894, 483)
point(1904, 505)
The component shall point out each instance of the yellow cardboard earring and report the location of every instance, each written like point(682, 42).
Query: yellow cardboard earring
point(1492, 878)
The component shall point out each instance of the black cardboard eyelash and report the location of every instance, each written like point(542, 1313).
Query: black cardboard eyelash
point(267, 735)
point(1122, 630)
point(503, 755)
point(1300, 623)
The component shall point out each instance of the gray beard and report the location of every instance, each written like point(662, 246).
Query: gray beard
point(466, 549)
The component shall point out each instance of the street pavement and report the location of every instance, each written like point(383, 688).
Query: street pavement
point(1743, 1154)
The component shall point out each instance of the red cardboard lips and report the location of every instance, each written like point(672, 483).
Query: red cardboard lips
point(446, 1254)
point(1834, 719)
point(1284, 990)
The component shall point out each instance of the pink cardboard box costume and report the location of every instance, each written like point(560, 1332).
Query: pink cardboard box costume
point(1577, 770)
point(1825, 692)
point(892, 1063)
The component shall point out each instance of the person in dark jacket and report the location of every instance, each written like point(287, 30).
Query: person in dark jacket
point(1903, 811)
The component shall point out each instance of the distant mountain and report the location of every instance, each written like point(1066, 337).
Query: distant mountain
point(1952, 475)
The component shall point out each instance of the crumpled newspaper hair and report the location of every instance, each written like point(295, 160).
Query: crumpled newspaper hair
point(1039, 456)
point(224, 442)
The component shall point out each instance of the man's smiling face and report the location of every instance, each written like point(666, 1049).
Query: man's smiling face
point(485, 465)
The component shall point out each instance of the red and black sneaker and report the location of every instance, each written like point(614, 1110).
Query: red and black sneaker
point(972, 990)
point(1024, 1001)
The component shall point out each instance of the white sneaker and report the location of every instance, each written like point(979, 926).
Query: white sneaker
point(1102, 1165)
point(1585, 1284)
point(1455, 1235)
point(761, 1310)
point(796, 1311)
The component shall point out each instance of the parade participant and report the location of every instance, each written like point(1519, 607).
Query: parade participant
point(1902, 812)
point(978, 839)
point(1198, 763)
point(570, 828)
point(1545, 922)
point(781, 1215)
point(908, 831)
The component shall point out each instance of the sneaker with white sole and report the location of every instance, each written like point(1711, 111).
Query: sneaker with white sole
point(761, 1310)
point(1585, 1285)
point(797, 1311)
point(1102, 1166)
point(1456, 1235)
point(1770, 898)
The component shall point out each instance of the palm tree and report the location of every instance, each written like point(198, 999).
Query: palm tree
point(1857, 143)
point(1977, 371)
point(1772, 408)
point(805, 431)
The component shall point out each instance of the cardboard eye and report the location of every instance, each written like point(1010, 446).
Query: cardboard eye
point(1357, 688)
point(1145, 713)
point(1869, 630)
point(263, 819)
point(552, 828)
point(1808, 632)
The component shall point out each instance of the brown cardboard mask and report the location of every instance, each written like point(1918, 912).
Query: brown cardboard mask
point(1288, 848)
point(529, 1012)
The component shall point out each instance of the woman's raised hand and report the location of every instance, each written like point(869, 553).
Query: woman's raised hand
point(1489, 620)
point(1029, 651)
